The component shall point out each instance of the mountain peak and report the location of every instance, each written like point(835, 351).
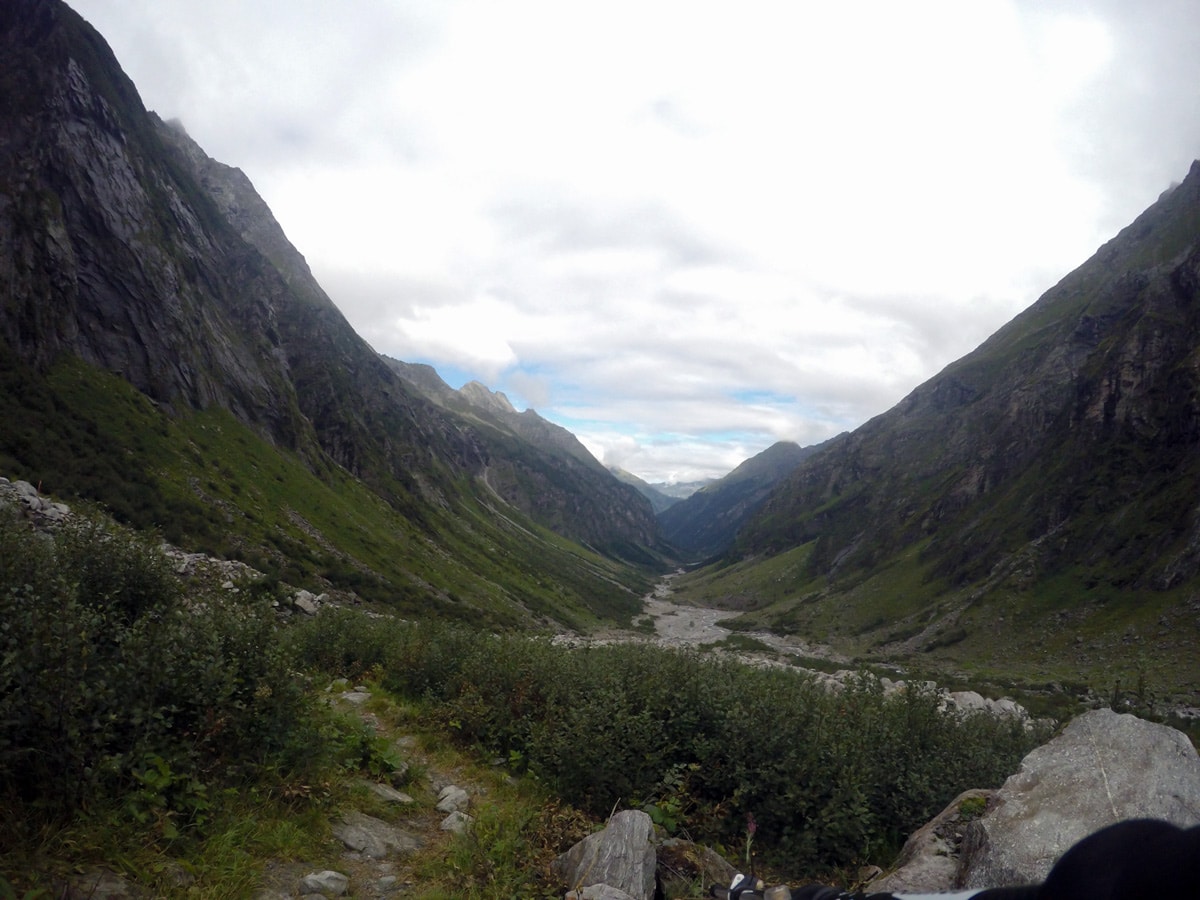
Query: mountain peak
point(480, 395)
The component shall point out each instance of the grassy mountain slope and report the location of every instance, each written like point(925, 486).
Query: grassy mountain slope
point(543, 470)
point(165, 351)
point(1031, 507)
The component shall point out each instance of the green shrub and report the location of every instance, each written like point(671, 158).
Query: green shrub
point(832, 777)
point(113, 687)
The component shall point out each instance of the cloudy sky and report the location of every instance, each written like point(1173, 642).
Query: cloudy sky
point(684, 230)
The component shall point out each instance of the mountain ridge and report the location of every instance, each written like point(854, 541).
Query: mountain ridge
point(705, 523)
point(1043, 478)
point(137, 257)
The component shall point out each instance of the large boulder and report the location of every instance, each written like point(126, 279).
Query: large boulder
point(1105, 767)
point(621, 857)
point(930, 860)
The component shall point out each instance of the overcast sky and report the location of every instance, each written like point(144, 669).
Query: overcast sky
point(684, 230)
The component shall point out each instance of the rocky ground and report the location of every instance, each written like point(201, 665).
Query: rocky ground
point(675, 624)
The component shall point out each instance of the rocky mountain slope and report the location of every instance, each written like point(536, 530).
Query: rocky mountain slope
point(543, 470)
point(131, 253)
point(706, 523)
point(1046, 481)
point(659, 498)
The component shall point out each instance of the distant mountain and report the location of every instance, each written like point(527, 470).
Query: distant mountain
point(659, 499)
point(163, 347)
point(706, 522)
point(1046, 481)
point(543, 470)
point(681, 489)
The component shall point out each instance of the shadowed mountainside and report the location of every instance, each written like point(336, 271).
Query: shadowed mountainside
point(130, 254)
point(1034, 500)
point(706, 523)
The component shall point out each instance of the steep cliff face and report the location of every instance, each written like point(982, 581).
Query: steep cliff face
point(1068, 440)
point(126, 246)
point(111, 251)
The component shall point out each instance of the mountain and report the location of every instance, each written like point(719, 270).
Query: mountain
point(1036, 500)
point(705, 523)
point(543, 470)
point(681, 490)
point(659, 500)
point(166, 351)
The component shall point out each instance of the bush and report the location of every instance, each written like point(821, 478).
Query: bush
point(114, 688)
point(832, 778)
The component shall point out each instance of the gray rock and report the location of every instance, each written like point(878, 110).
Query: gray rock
point(1103, 768)
point(306, 603)
point(332, 884)
point(453, 799)
point(929, 861)
point(99, 884)
point(389, 793)
point(621, 857)
point(457, 822)
point(373, 837)
point(598, 892)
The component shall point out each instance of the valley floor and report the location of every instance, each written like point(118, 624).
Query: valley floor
point(668, 623)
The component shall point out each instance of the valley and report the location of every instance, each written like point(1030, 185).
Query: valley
point(200, 446)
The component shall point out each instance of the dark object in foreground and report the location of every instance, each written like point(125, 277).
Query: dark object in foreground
point(1137, 858)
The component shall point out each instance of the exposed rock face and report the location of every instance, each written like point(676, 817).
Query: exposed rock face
point(1065, 443)
point(111, 256)
point(930, 860)
point(123, 244)
point(1105, 767)
point(620, 857)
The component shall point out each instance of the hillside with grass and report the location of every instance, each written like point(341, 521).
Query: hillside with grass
point(706, 523)
point(171, 370)
point(165, 352)
point(1031, 509)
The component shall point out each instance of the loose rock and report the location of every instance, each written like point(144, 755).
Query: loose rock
point(333, 884)
point(457, 822)
point(373, 837)
point(453, 799)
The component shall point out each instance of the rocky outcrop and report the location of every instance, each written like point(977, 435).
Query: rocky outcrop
point(620, 858)
point(29, 501)
point(931, 858)
point(1103, 768)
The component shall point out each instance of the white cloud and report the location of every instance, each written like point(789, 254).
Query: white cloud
point(687, 229)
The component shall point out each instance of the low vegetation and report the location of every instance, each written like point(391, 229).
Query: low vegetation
point(831, 778)
point(154, 725)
